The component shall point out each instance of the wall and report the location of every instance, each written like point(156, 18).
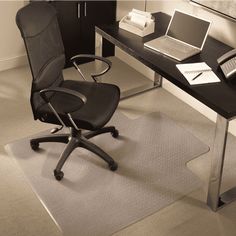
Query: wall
point(12, 53)
point(218, 23)
point(123, 7)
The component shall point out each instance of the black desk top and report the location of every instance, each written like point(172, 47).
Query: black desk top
point(220, 97)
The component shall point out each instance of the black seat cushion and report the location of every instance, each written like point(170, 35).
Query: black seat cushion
point(102, 101)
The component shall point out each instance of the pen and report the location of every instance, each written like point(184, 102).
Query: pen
point(197, 76)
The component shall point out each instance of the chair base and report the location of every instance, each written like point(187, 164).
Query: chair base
point(76, 139)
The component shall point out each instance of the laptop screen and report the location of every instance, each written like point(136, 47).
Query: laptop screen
point(188, 28)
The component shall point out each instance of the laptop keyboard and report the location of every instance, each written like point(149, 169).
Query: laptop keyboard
point(172, 46)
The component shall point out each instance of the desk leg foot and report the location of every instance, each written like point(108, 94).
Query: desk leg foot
point(224, 199)
point(144, 88)
point(229, 195)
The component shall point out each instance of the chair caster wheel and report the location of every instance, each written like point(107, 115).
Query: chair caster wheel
point(115, 133)
point(34, 145)
point(58, 175)
point(113, 166)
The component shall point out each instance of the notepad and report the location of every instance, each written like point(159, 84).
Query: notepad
point(198, 73)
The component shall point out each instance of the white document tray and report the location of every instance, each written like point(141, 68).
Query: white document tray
point(148, 29)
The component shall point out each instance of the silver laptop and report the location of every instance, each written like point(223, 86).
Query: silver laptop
point(185, 36)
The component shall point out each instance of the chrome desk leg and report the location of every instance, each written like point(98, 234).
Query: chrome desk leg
point(98, 52)
point(98, 44)
point(157, 80)
point(218, 154)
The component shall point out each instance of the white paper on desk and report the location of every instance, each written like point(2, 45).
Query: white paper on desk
point(191, 70)
point(205, 78)
point(193, 67)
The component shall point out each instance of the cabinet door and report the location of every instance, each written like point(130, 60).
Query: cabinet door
point(77, 20)
point(70, 20)
point(95, 13)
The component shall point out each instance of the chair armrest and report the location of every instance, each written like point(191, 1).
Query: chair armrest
point(103, 59)
point(81, 99)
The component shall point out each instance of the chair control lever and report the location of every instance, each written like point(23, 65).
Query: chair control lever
point(56, 129)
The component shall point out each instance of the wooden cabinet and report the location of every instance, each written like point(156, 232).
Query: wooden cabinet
point(77, 20)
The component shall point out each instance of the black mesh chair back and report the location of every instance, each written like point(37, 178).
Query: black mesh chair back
point(40, 31)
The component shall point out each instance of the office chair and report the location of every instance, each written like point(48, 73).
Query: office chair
point(79, 105)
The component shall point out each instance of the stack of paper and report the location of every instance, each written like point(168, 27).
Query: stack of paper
point(139, 18)
point(198, 73)
point(138, 22)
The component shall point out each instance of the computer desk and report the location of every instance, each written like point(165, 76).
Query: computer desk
point(220, 97)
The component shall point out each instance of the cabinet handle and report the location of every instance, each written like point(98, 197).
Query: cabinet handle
point(85, 9)
point(78, 10)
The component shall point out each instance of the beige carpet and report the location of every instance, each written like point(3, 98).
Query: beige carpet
point(152, 152)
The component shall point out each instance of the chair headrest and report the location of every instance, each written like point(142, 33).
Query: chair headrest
point(32, 13)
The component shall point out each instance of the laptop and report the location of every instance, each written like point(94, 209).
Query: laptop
point(185, 36)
